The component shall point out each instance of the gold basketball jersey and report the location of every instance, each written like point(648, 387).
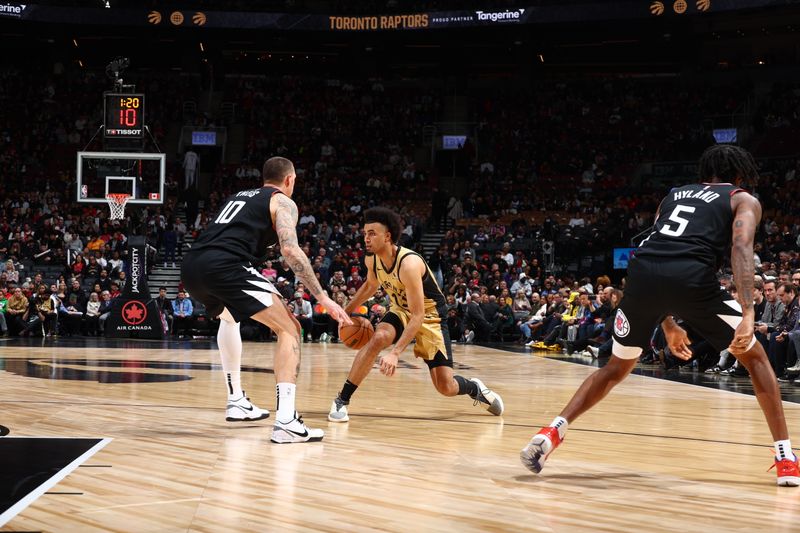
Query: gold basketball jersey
point(430, 337)
point(389, 278)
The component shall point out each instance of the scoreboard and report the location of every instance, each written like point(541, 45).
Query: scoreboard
point(123, 115)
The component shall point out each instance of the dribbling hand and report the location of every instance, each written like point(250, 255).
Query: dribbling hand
point(335, 311)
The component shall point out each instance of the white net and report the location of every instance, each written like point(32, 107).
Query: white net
point(116, 203)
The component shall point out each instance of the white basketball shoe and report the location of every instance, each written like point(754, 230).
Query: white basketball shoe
point(490, 399)
point(242, 410)
point(295, 431)
point(338, 412)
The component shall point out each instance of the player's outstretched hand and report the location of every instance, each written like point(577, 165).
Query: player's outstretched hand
point(742, 337)
point(335, 311)
point(678, 342)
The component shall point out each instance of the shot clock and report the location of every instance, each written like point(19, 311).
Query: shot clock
point(124, 115)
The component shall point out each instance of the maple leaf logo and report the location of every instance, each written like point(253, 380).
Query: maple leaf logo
point(134, 312)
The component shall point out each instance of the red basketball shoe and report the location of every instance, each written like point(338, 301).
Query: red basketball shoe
point(541, 446)
point(788, 472)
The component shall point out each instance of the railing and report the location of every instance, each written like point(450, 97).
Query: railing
point(189, 110)
point(227, 112)
point(681, 172)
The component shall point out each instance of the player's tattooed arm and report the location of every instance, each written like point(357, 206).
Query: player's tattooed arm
point(747, 215)
point(285, 217)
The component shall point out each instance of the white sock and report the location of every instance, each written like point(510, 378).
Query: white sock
point(285, 402)
point(230, 351)
point(561, 424)
point(783, 450)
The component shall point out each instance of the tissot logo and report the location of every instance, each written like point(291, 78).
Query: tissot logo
point(12, 10)
point(114, 131)
point(501, 16)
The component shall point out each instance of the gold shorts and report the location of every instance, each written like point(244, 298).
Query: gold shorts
point(430, 337)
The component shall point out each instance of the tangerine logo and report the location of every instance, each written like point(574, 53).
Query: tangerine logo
point(134, 312)
point(154, 17)
point(199, 19)
point(176, 18)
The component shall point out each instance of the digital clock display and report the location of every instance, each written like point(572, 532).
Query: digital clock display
point(124, 115)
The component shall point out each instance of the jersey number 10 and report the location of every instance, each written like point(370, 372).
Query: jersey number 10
point(229, 211)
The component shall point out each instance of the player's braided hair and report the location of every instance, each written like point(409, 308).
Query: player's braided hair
point(727, 163)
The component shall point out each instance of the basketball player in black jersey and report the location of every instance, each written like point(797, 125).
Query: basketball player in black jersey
point(417, 312)
point(220, 272)
point(672, 274)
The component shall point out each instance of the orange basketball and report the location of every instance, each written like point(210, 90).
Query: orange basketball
point(356, 335)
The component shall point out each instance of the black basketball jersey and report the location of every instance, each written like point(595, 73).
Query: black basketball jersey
point(694, 222)
point(243, 226)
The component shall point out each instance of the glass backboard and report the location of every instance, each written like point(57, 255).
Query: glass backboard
point(141, 175)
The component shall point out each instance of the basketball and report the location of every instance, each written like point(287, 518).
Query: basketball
point(358, 334)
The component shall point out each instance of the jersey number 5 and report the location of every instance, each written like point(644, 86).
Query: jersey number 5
point(668, 229)
point(229, 211)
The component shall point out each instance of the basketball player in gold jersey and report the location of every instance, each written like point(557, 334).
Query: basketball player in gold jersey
point(417, 311)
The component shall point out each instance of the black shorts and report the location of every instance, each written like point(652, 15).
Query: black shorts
point(431, 337)
point(686, 289)
point(220, 280)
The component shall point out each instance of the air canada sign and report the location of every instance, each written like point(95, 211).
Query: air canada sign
point(134, 314)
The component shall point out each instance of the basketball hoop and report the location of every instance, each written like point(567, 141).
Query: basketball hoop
point(116, 203)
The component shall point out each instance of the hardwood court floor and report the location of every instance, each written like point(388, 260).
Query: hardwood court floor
point(654, 456)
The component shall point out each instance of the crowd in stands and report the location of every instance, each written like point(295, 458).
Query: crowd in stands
point(51, 299)
point(577, 144)
point(354, 146)
point(38, 142)
point(64, 262)
point(611, 124)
